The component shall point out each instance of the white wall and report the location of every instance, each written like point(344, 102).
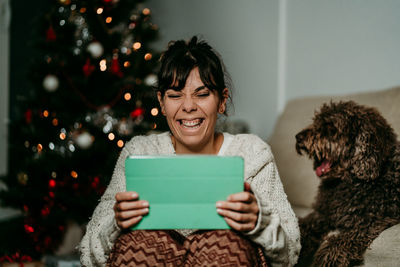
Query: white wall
point(245, 34)
point(4, 60)
point(325, 47)
point(342, 46)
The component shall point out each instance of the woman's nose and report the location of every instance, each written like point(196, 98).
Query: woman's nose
point(189, 104)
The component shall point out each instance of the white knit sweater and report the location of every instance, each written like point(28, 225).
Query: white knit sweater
point(276, 230)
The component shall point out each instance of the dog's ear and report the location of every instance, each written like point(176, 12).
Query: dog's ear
point(366, 162)
point(373, 146)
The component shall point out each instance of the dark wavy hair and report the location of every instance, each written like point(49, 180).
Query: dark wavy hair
point(182, 57)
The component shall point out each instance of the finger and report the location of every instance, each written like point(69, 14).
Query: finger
point(242, 196)
point(237, 216)
point(129, 223)
point(238, 206)
point(126, 196)
point(240, 226)
point(131, 205)
point(125, 215)
point(247, 187)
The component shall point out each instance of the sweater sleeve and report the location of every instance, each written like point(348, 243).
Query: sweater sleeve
point(102, 230)
point(277, 227)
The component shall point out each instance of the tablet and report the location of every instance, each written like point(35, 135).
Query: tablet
point(182, 190)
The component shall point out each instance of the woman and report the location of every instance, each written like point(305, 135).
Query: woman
point(192, 92)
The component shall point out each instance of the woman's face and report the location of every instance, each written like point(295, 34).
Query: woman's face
point(192, 114)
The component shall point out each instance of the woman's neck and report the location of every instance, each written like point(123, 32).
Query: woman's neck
point(211, 147)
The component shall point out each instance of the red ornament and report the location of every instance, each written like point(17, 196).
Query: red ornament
point(88, 68)
point(137, 112)
point(29, 229)
point(50, 34)
point(28, 116)
point(95, 182)
point(115, 68)
point(15, 258)
point(45, 211)
point(52, 183)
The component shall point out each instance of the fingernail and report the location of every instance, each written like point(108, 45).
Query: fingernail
point(146, 210)
point(145, 204)
point(134, 195)
point(219, 210)
point(219, 204)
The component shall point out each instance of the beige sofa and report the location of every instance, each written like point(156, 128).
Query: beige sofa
point(296, 171)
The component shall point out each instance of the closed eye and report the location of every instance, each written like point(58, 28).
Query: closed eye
point(203, 93)
point(173, 96)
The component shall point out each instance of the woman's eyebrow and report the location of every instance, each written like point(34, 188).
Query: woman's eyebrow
point(199, 88)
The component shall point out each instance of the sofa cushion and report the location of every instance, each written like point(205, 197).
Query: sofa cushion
point(298, 177)
point(385, 249)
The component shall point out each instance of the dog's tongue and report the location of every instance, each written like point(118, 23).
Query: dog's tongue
point(323, 168)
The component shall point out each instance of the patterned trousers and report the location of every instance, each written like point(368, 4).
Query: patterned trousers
point(169, 248)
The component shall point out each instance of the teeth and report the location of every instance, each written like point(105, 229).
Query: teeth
point(191, 123)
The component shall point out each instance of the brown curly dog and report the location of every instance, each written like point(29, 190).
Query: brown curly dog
point(357, 158)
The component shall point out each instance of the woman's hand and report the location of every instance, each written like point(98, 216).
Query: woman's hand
point(240, 211)
point(128, 209)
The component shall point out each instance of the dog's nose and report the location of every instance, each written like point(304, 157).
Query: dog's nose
point(300, 140)
point(301, 136)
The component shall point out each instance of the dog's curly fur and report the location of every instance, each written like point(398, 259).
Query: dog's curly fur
point(357, 158)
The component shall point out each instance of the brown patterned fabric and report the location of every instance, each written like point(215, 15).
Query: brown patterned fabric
point(169, 248)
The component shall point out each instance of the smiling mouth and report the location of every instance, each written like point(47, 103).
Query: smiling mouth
point(323, 168)
point(191, 124)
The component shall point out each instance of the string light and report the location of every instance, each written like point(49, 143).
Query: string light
point(74, 174)
point(137, 46)
point(55, 122)
point(108, 19)
point(154, 111)
point(99, 10)
point(146, 11)
point(39, 147)
point(51, 146)
point(103, 65)
point(154, 126)
point(45, 113)
point(127, 96)
point(127, 64)
point(62, 136)
point(82, 10)
point(71, 148)
point(54, 175)
point(148, 56)
point(111, 136)
point(120, 143)
point(65, 2)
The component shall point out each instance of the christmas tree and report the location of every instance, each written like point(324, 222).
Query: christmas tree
point(91, 92)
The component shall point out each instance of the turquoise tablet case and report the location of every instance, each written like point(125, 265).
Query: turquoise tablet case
point(183, 190)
